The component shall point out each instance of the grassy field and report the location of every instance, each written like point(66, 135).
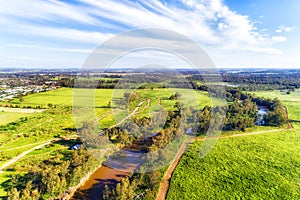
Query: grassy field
point(58, 149)
point(39, 128)
point(102, 97)
point(265, 166)
point(64, 96)
point(253, 167)
point(7, 117)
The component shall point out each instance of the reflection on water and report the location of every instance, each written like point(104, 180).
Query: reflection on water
point(260, 116)
point(116, 167)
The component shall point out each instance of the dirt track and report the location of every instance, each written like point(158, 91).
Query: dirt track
point(128, 116)
point(15, 159)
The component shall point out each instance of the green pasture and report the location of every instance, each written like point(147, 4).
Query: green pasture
point(64, 96)
point(263, 166)
point(7, 117)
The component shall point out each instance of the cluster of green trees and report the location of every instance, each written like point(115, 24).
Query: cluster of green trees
point(50, 178)
point(137, 186)
point(90, 83)
point(277, 115)
point(132, 131)
point(241, 112)
point(172, 129)
point(119, 136)
point(240, 115)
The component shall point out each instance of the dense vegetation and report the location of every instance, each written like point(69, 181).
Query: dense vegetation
point(137, 186)
point(265, 80)
point(240, 114)
point(51, 177)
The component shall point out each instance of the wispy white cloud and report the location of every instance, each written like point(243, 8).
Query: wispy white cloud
point(209, 22)
point(284, 29)
point(46, 10)
point(67, 34)
point(279, 39)
point(45, 48)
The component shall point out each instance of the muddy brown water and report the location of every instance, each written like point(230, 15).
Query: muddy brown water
point(112, 171)
point(94, 186)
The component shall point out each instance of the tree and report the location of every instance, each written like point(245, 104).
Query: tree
point(26, 193)
point(106, 193)
point(124, 190)
point(109, 104)
point(13, 194)
point(21, 99)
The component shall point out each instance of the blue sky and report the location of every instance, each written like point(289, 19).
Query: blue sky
point(234, 33)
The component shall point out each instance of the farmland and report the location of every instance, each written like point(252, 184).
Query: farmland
point(265, 166)
point(63, 97)
point(258, 167)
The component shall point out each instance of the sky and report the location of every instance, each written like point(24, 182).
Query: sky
point(234, 33)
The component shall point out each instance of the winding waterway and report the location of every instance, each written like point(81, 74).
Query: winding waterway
point(112, 171)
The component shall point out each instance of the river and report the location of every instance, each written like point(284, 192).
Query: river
point(115, 168)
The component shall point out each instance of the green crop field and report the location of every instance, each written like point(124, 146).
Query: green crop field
point(39, 127)
point(252, 167)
